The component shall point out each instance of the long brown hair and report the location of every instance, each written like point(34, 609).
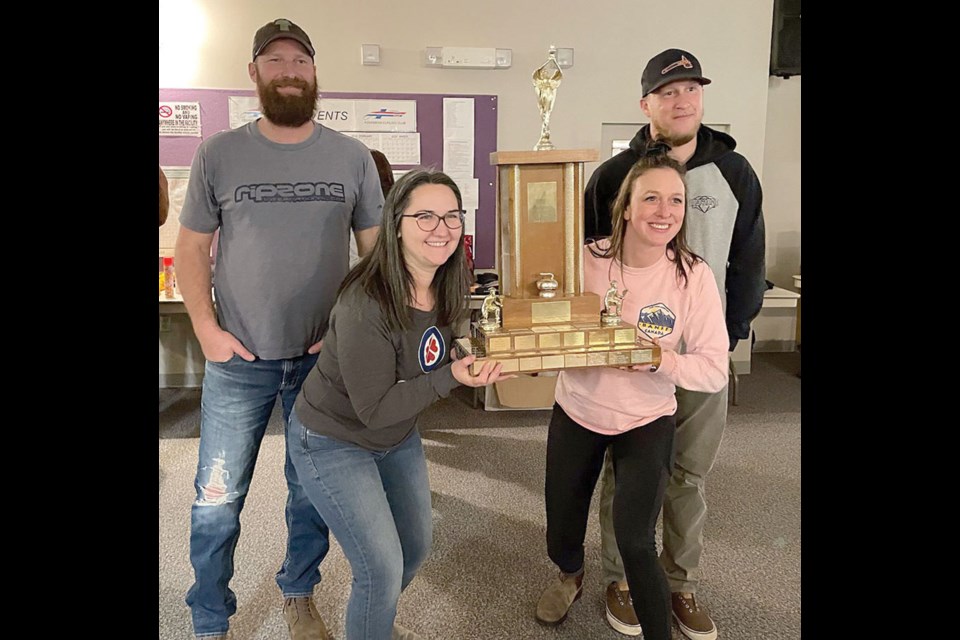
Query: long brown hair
point(384, 170)
point(384, 275)
point(679, 252)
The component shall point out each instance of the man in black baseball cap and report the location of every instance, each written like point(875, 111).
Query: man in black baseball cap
point(285, 75)
point(280, 28)
point(281, 185)
point(672, 85)
point(671, 65)
point(724, 225)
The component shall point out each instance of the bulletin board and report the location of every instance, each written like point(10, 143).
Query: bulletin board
point(438, 144)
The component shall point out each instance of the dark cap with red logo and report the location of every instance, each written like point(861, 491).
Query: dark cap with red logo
point(280, 28)
point(670, 66)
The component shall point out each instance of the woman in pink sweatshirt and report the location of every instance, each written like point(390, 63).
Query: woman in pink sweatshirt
point(671, 296)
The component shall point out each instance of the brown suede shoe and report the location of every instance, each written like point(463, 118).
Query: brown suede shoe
point(620, 613)
point(402, 633)
point(303, 620)
point(559, 595)
point(694, 621)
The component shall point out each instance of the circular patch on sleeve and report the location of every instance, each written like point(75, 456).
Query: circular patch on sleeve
point(432, 349)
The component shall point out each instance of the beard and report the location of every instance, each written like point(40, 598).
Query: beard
point(673, 137)
point(287, 110)
point(677, 140)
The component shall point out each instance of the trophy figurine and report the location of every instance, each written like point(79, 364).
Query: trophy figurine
point(612, 304)
point(490, 311)
point(546, 79)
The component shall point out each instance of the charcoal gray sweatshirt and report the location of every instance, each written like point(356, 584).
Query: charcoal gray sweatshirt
point(371, 383)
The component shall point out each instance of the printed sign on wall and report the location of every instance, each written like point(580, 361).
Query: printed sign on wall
point(180, 119)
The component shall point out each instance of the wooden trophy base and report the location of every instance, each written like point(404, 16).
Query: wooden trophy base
point(555, 347)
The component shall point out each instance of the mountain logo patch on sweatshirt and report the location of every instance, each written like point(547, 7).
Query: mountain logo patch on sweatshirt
point(432, 349)
point(656, 320)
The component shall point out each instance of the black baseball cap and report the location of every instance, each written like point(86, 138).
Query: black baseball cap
point(669, 66)
point(280, 28)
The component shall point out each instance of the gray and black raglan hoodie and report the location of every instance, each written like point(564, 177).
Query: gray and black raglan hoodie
point(724, 218)
point(371, 383)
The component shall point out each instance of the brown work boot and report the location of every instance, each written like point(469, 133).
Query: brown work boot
point(303, 619)
point(402, 633)
point(620, 613)
point(559, 595)
point(694, 621)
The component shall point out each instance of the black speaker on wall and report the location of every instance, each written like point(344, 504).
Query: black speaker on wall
point(785, 48)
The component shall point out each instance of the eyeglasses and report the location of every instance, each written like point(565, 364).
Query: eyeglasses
point(429, 221)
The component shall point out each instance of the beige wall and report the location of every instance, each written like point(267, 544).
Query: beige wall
point(208, 45)
point(781, 181)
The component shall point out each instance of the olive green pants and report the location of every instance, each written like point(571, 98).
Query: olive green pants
point(701, 418)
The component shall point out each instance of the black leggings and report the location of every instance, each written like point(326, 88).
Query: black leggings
point(642, 462)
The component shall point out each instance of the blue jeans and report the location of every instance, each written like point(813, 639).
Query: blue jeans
point(377, 504)
point(237, 400)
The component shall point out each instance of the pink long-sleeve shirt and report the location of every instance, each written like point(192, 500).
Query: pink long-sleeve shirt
point(610, 401)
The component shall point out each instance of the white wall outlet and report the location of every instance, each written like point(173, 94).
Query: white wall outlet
point(370, 54)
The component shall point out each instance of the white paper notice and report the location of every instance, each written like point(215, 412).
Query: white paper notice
point(458, 157)
point(180, 119)
point(458, 136)
point(470, 223)
point(243, 109)
point(458, 118)
point(177, 179)
point(338, 114)
point(470, 194)
point(368, 115)
point(469, 191)
point(400, 148)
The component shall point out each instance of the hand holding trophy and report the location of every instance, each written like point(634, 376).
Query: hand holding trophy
point(546, 79)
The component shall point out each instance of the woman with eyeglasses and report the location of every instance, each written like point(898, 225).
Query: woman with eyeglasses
point(386, 357)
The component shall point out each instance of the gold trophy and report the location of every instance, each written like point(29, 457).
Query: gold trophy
point(546, 79)
point(544, 320)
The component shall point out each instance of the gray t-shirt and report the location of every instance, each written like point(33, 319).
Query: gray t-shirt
point(285, 212)
point(370, 383)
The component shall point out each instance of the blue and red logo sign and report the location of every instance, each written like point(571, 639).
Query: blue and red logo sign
point(432, 349)
point(380, 114)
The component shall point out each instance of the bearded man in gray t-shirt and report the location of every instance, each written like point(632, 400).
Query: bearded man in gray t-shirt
point(284, 193)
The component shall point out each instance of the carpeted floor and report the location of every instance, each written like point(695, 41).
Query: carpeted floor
point(489, 563)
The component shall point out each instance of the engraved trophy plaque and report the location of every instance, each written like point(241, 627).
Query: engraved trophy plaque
point(546, 79)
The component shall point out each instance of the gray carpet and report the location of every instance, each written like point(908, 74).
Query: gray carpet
point(489, 563)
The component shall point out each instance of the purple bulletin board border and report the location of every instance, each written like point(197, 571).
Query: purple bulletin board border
point(215, 117)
